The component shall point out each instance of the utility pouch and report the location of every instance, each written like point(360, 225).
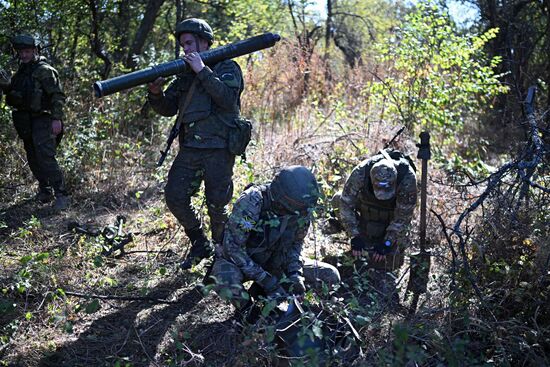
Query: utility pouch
point(240, 134)
point(15, 99)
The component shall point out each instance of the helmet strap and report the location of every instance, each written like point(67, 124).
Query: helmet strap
point(196, 42)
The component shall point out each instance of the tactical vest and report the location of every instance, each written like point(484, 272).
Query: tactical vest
point(375, 215)
point(202, 118)
point(26, 92)
point(269, 244)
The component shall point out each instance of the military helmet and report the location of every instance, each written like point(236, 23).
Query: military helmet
point(195, 26)
point(295, 189)
point(22, 41)
point(383, 175)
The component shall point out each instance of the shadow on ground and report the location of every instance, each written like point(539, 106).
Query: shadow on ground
point(132, 333)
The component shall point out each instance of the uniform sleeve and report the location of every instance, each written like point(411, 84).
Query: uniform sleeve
point(51, 85)
point(348, 200)
point(406, 192)
point(166, 104)
point(242, 221)
point(295, 263)
point(223, 84)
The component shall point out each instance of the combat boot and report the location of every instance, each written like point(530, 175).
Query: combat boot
point(44, 194)
point(62, 202)
point(200, 248)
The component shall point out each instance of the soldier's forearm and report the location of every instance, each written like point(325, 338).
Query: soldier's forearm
point(162, 105)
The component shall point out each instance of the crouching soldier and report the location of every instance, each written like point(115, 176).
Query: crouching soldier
point(263, 240)
point(376, 208)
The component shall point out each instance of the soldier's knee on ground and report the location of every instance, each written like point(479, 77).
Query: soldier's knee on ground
point(228, 281)
point(317, 272)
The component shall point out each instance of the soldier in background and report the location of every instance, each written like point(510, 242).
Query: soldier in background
point(206, 100)
point(263, 240)
point(37, 100)
point(376, 209)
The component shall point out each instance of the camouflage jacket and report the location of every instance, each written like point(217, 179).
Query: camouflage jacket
point(259, 241)
point(36, 87)
point(214, 104)
point(354, 212)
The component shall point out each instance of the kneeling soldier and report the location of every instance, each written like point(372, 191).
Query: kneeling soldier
point(376, 208)
point(263, 239)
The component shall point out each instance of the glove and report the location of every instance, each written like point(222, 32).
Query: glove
point(298, 286)
point(384, 248)
point(271, 286)
point(358, 244)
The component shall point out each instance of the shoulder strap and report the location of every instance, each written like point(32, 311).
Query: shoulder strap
point(189, 95)
point(398, 156)
point(185, 103)
point(386, 155)
point(266, 202)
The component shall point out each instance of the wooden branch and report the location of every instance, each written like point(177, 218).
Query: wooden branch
point(118, 298)
point(145, 27)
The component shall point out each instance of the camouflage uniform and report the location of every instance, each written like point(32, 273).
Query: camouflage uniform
point(363, 215)
point(36, 97)
point(376, 222)
point(258, 243)
point(203, 151)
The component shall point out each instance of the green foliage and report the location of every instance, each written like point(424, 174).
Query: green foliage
point(436, 75)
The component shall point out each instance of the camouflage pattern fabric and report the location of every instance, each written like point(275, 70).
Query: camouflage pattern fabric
point(216, 99)
point(352, 214)
point(36, 88)
point(190, 168)
point(257, 242)
point(203, 141)
point(36, 96)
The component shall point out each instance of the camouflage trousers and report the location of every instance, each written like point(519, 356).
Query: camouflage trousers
point(40, 146)
point(229, 278)
point(191, 167)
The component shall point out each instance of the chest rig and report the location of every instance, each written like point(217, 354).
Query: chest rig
point(26, 93)
point(375, 215)
point(272, 239)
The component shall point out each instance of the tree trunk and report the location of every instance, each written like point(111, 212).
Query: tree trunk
point(328, 29)
point(180, 11)
point(97, 47)
point(328, 35)
point(147, 23)
point(122, 26)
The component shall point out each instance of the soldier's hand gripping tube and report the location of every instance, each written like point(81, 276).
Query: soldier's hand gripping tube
point(209, 57)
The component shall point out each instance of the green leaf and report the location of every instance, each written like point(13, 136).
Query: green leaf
point(92, 307)
point(317, 331)
point(42, 256)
